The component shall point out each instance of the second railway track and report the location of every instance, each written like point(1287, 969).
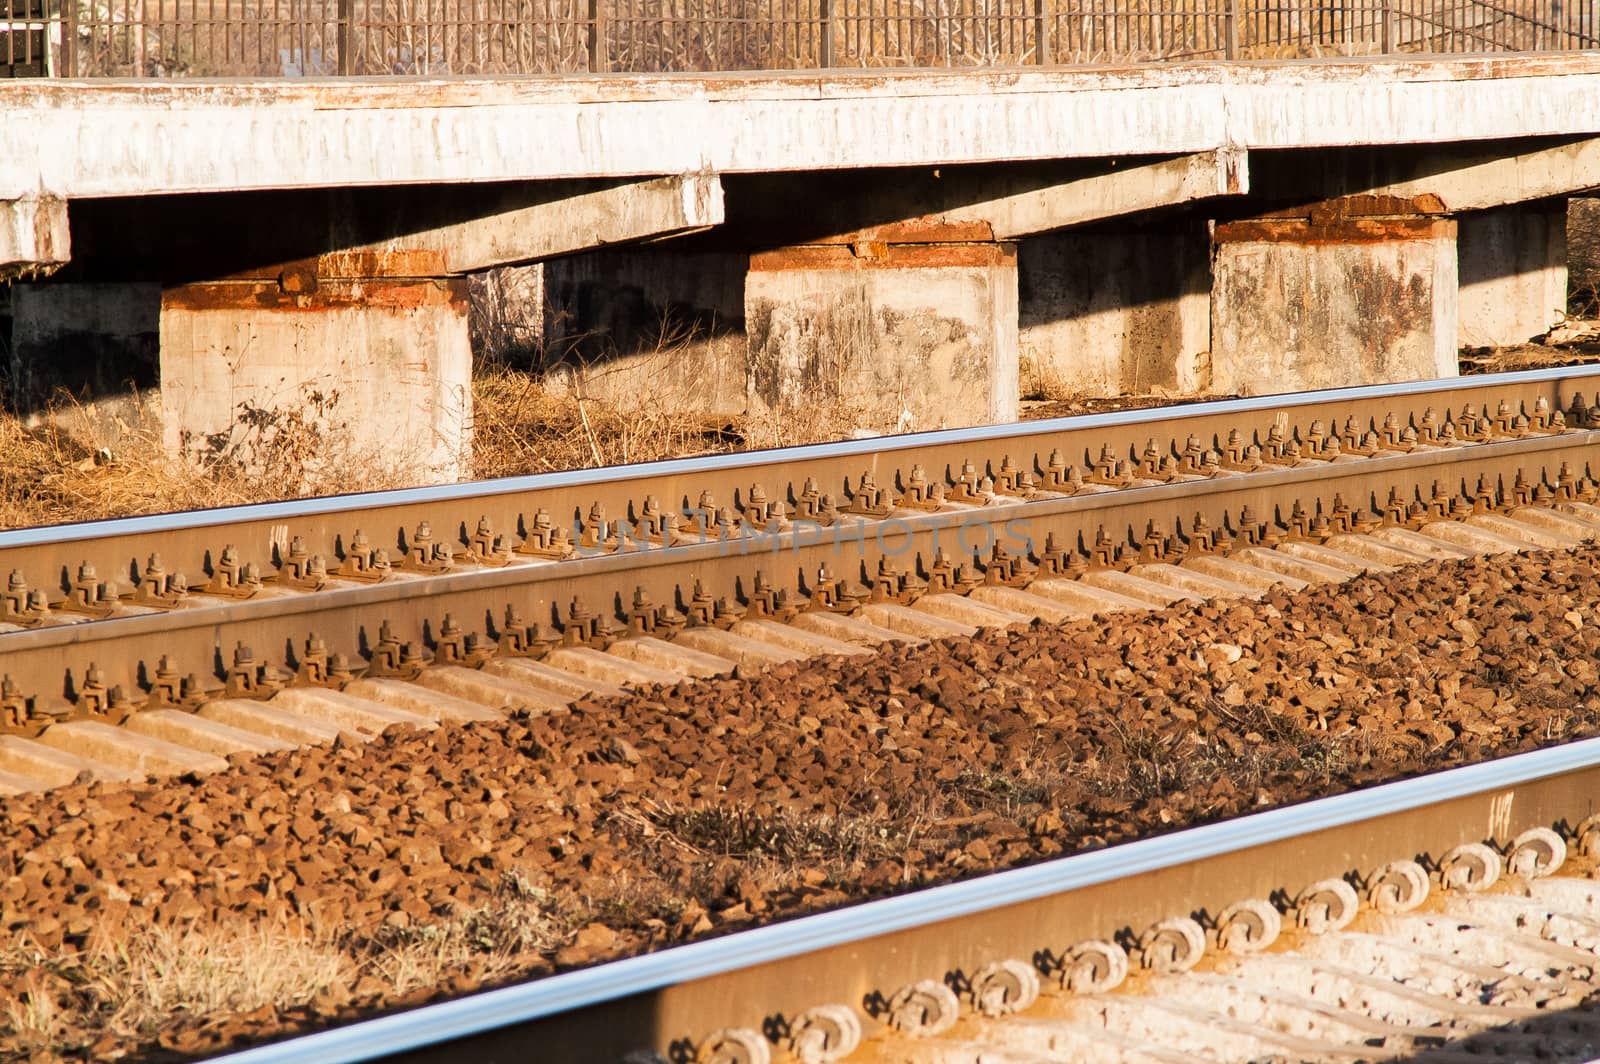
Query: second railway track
point(1444, 918)
point(160, 644)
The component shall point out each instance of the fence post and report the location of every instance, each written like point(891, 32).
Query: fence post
point(825, 45)
point(1042, 33)
point(69, 37)
point(597, 39)
point(1231, 41)
point(1387, 14)
point(341, 38)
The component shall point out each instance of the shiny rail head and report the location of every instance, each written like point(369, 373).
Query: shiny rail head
point(528, 1002)
point(356, 502)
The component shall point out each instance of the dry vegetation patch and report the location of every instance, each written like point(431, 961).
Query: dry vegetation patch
point(86, 463)
point(78, 463)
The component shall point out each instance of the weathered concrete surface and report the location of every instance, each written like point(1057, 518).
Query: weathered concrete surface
point(389, 230)
point(1512, 264)
point(894, 338)
point(95, 139)
point(1107, 311)
point(1489, 178)
point(92, 340)
point(540, 221)
point(1454, 177)
point(34, 237)
point(649, 325)
point(377, 372)
point(1296, 305)
point(1583, 255)
point(1018, 212)
point(997, 202)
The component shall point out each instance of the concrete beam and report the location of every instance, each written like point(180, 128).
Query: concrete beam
point(1492, 179)
point(386, 231)
point(564, 217)
point(1003, 202)
point(34, 239)
point(1119, 191)
point(123, 139)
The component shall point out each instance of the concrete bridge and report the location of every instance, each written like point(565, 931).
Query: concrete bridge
point(896, 240)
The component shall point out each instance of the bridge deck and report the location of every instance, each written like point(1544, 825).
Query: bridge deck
point(93, 139)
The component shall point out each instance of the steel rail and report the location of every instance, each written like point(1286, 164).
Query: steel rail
point(680, 995)
point(118, 547)
point(48, 666)
point(49, 663)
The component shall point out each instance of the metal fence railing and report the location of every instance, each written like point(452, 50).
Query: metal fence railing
point(295, 38)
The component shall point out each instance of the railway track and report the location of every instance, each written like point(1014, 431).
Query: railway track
point(1446, 917)
point(164, 644)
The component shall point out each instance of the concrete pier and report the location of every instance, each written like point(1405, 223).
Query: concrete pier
point(1512, 263)
point(373, 372)
point(1118, 308)
point(897, 337)
point(649, 324)
point(1333, 299)
point(88, 340)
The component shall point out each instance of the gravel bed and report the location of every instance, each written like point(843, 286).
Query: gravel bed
point(632, 824)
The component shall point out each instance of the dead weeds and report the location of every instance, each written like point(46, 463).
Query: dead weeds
point(136, 985)
point(77, 462)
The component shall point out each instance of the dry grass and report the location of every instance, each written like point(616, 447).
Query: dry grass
point(141, 984)
point(494, 942)
point(165, 970)
point(788, 838)
point(79, 463)
point(520, 426)
point(157, 981)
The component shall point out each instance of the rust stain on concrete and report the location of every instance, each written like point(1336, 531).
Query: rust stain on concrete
point(928, 229)
point(394, 264)
point(1337, 231)
point(325, 296)
point(884, 256)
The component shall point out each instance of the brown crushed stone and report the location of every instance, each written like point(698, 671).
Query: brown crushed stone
point(701, 809)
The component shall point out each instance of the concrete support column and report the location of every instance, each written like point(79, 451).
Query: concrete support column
point(1512, 263)
point(894, 337)
point(91, 340)
point(1108, 311)
point(1331, 300)
point(34, 238)
point(372, 372)
point(649, 325)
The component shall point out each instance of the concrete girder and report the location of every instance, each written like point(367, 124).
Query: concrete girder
point(122, 140)
point(1489, 179)
point(1116, 192)
point(1447, 179)
point(34, 239)
point(970, 203)
point(556, 218)
point(382, 231)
